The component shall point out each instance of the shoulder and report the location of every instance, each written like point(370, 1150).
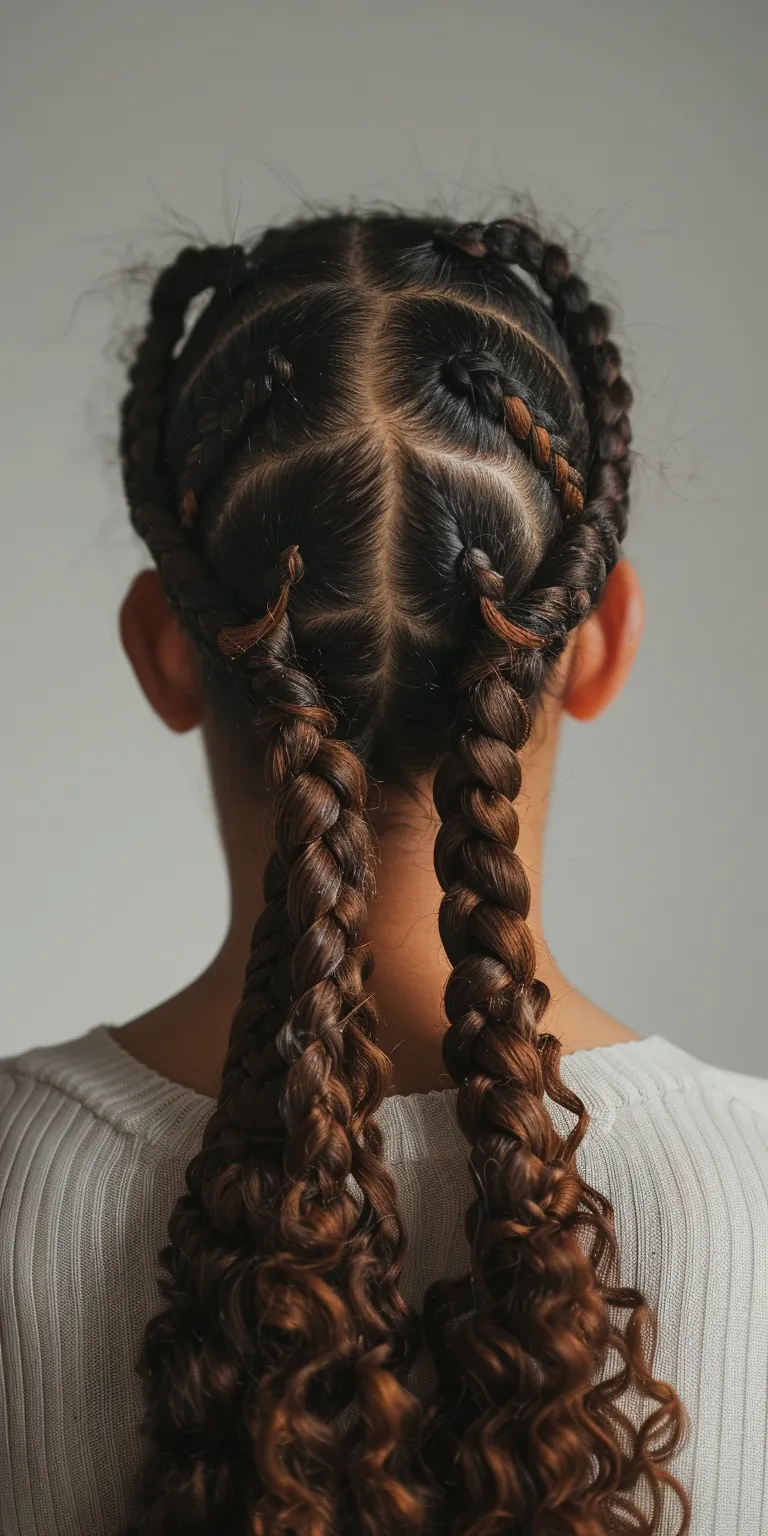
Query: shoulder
point(91, 1076)
point(741, 1088)
point(679, 1144)
point(672, 1134)
point(92, 1156)
point(652, 1075)
point(78, 1121)
point(680, 1149)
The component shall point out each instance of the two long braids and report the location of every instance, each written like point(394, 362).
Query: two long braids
point(538, 1444)
point(281, 1291)
point(282, 1306)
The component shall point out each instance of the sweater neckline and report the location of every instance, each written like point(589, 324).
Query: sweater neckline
point(571, 1062)
point(97, 1070)
point(104, 1034)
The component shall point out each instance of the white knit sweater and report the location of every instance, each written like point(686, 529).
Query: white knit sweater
point(93, 1148)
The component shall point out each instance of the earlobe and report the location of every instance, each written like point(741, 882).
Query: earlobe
point(605, 646)
point(161, 655)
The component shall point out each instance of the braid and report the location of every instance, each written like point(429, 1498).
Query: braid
point(223, 423)
point(277, 1154)
point(482, 378)
point(223, 268)
point(530, 1435)
point(268, 1237)
point(584, 326)
point(539, 1434)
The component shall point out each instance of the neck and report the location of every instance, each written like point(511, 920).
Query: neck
point(186, 1037)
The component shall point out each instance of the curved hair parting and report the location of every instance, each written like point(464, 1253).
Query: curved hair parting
point(412, 593)
point(222, 422)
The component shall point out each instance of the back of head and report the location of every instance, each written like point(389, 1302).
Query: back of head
point(383, 476)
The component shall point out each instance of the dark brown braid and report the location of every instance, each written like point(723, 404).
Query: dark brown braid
point(585, 327)
point(223, 421)
point(282, 1147)
point(534, 1438)
point(480, 377)
point(525, 1387)
point(330, 472)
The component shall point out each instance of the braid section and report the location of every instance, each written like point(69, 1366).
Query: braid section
point(536, 1446)
point(300, 1275)
point(584, 326)
point(482, 378)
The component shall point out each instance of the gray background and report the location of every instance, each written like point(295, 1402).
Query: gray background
point(638, 128)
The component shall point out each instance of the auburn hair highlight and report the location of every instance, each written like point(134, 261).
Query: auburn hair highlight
point(383, 477)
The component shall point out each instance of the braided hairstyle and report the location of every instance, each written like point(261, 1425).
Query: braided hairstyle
point(383, 476)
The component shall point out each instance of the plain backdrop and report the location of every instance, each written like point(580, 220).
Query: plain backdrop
point(640, 132)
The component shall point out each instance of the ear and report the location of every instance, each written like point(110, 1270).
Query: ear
point(605, 645)
point(161, 655)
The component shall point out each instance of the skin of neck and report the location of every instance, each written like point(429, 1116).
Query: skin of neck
point(186, 1037)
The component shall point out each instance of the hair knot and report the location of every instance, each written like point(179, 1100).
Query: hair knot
point(236, 640)
point(467, 238)
point(475, 569)
point(478, 376)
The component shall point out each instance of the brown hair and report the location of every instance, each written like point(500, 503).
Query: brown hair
point(383, 477)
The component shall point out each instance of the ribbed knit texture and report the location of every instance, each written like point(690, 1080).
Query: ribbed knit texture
point(93, 1148)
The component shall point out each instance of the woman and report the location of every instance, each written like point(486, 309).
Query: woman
point(383, 477)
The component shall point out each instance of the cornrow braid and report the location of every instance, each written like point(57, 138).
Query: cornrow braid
point(268, 1236)
point(482, 378)
point(585, 327)
point(223, 422)
point(226, 270)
